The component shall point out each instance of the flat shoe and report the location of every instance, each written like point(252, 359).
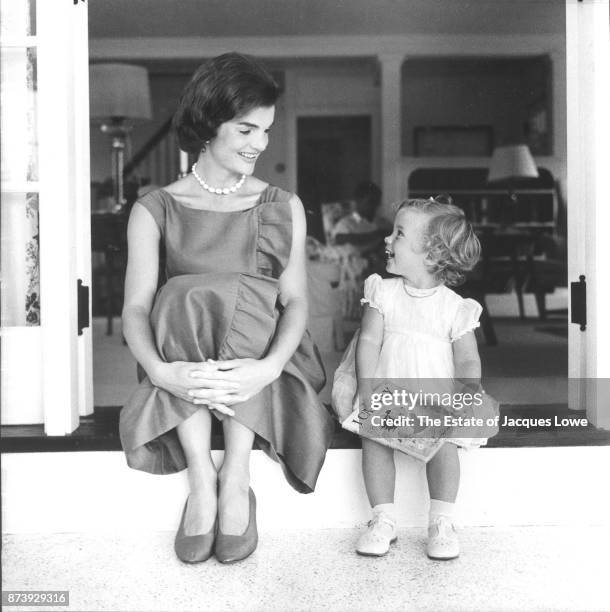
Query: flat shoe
point(195, 548)
point(443, 543)
point(376, 540)
point(232, 548)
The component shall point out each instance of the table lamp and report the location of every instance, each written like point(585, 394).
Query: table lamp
point(120, 97)
point(509, 163)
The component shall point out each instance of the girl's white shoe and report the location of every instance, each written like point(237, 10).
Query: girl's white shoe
point(443, 542)
point(376, 540)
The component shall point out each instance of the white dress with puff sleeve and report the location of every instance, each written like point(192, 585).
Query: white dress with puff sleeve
point(419, 328)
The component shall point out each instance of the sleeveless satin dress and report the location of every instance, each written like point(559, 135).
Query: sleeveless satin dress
point(220, 301)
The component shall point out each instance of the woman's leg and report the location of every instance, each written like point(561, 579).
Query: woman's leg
point(234, 477)
point(194, 435)
point(379, 472)
point(443, 472)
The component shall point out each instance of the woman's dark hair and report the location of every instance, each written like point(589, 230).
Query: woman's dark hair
point(221, 89)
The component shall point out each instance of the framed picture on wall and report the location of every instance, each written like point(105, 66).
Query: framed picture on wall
point(453, 141)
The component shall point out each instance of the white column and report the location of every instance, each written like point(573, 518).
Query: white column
point(391, 131)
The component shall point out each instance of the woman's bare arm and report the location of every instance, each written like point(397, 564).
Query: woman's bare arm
point(293, 294)
point(143, 237)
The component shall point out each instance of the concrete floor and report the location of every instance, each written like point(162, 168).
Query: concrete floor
point(525, 568)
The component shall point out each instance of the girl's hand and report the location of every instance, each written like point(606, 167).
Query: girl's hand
point(181, 378)
point(355, 400)
point(468, 385)
point(245, 377)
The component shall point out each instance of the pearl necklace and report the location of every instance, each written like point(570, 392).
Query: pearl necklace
point(218, 190)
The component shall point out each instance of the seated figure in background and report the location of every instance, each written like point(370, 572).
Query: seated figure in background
point(360, 235)
point(363, 227)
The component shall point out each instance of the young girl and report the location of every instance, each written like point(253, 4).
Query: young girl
point(414, 326)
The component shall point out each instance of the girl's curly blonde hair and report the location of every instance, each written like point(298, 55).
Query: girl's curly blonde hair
point(449, 241)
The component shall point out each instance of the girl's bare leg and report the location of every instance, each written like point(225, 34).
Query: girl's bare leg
point(443, 472)
point(379, 472)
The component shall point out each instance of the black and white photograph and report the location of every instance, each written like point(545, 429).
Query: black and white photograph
point(304, 305)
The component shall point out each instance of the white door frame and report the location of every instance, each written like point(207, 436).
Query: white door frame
point(46, 368)
point(82, 200)
point(588, 101)
point(64, 211)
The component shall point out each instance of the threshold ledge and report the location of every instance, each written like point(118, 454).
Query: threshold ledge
point(100, 432)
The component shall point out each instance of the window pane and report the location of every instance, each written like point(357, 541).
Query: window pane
point(19, 261)
point(17, 18)
point(18, 115)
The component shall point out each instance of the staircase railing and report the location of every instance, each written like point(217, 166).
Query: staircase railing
point(158, 159)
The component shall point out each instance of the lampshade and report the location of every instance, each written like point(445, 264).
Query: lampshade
point(511, 162)
point(119, 90)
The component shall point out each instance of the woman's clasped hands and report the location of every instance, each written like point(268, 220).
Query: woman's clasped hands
point(180, 379)
point(237, 379)
point(217, 384)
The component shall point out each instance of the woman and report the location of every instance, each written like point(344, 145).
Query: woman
point(225, 335)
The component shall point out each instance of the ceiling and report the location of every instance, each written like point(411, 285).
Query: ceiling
point(219, 18)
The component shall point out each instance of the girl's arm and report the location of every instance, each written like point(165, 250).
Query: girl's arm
point(467, 362)
point(143, 238)
point(369, 343)
point(252, 375)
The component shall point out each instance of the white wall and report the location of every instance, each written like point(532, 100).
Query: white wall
point(313, 88)
point(499, 486)
point(470, 92)
point(339, 88)
point(348, 82)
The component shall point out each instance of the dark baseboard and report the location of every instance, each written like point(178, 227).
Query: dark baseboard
point(99, 432)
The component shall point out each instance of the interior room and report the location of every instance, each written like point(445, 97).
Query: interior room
point(455, 112)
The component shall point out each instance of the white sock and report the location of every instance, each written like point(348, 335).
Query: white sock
point(440, 508)
point(387, 509)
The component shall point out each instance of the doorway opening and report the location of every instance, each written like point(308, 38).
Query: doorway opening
point(333, 156)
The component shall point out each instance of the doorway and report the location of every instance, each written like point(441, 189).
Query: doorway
point(333, 156)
